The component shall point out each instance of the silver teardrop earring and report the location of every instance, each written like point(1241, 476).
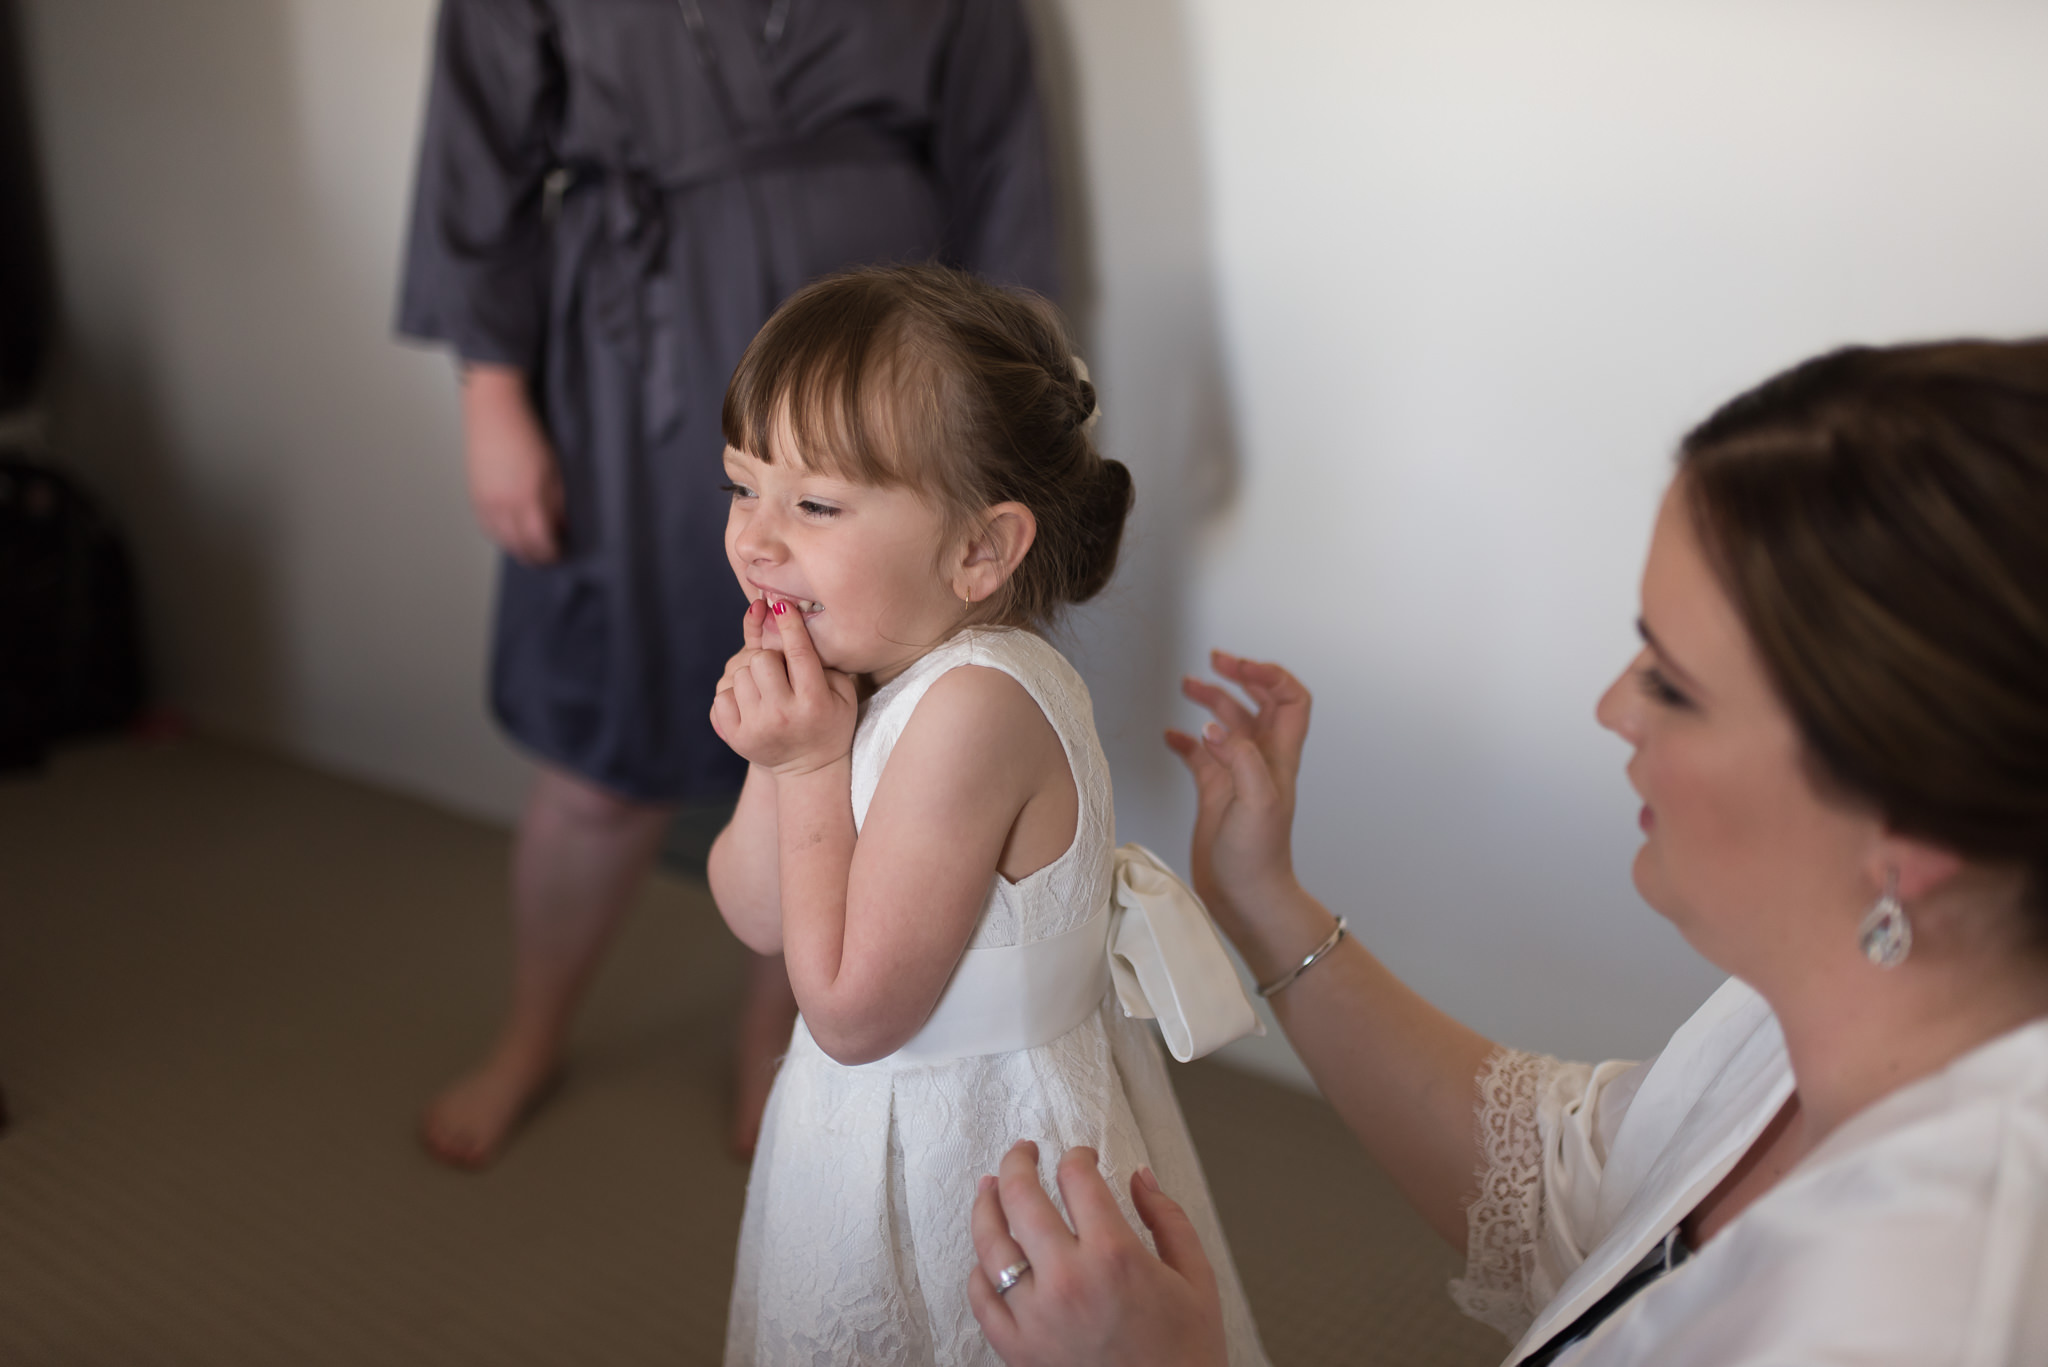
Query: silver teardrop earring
point(1886, 935)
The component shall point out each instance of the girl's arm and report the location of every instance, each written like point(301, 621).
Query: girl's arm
point(872, 933)
point(871, 928)
point(742, 869)
point(1401, 1073)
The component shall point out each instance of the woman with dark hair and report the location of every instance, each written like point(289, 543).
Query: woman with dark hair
point(1839, 725)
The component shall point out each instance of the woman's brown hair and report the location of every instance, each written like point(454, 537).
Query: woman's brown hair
point(930, 379)
point(1879, 517)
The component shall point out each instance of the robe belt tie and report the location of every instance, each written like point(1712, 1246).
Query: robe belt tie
point(633, 208)
point(1154, 944)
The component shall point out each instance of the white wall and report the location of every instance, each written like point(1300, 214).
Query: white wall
point(1482, 262)
point(1397, 310)
point(228, 182)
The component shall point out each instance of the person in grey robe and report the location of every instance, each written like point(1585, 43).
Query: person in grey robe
point(612, 196)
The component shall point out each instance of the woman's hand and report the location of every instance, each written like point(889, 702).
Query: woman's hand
point(782, 709)
point(514, 484)
point(1094, 1296)
point(1244, 764)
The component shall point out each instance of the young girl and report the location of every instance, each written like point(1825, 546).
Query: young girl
point(926, 830)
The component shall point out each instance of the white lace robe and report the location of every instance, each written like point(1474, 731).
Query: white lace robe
point(1917, 1233)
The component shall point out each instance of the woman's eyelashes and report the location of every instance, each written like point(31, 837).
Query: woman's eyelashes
point(1659, 688)
point(737, 490)
point(814, 508)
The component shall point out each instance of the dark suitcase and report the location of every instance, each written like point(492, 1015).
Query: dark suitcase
point(70, 644)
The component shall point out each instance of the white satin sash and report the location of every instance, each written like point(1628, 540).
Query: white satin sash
point(1154, 943)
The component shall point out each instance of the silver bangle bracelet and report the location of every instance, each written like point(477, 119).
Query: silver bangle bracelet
point(1287, 978)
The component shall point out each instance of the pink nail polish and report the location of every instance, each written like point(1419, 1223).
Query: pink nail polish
point(781, 608)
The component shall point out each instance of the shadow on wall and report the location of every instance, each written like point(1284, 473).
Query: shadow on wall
point(1121, 92)
point(228, 186)
point(168, 200)
point(24, 249)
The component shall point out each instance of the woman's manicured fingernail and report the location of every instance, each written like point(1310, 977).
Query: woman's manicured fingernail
point(1214, 733)
point(1145, 1176)
point(781, 608)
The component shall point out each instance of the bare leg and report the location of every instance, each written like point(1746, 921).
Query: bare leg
point(580, 854)
point(766, 1017)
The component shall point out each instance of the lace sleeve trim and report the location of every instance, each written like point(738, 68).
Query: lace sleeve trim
point(1505, 1219)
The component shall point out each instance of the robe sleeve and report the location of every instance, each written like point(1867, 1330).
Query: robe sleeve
point(1545, 1129)
point(476, 267)
point(989, 151)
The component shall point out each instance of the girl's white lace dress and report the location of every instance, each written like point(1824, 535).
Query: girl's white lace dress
point(855, 1247)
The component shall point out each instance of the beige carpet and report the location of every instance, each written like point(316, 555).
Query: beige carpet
point(227, 983)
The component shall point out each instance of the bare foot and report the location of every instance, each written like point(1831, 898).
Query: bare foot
point(766, 1018)
point(469, 1123)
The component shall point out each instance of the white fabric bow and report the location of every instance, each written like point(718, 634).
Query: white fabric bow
point(1167, 961)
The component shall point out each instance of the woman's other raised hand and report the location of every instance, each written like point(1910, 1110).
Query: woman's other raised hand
point(1245, 764)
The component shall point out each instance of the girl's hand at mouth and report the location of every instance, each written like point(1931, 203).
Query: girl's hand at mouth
point(751, 623)
point(781, 708)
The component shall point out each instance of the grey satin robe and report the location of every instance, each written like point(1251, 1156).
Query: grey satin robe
point(602, 207)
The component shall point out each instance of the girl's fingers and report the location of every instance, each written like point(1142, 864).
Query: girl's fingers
point(746, 693)
point(750, 625)
point(770, 675)
point(1227, 708)
point(800, 656)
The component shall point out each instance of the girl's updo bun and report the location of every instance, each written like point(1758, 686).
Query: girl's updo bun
point(930, 378)
point(1104, 505)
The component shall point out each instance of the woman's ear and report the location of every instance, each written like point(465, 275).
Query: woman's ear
point(1923, 869)
point(994, 549)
